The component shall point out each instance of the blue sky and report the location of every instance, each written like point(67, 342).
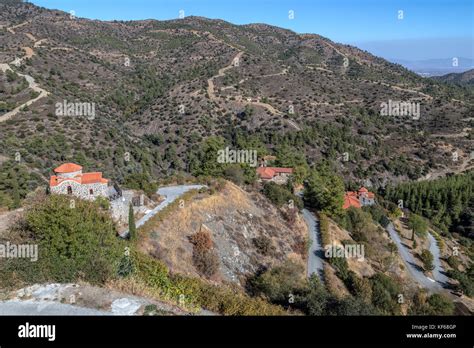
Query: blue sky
point(429, 28)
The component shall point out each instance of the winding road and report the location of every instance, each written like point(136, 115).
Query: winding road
point(433, 285)
point(316, 251)
point(438, 271)
point(171, 193)
point(33, 308)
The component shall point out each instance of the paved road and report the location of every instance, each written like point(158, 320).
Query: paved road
point(316, 251)
point(438, 272)
point(415, 271)
point(29, 308)
point(171, 193)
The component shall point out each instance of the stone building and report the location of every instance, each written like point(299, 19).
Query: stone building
point(358, 199)
point(70, 180)
point(274, 174)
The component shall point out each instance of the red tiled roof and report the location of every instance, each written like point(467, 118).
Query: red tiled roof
point(85, 178)
point(68, 168)
point(265, 172)
point(270, 172)
point(350, 201)
point(93, 178)
point(351, 198)
point(282, 170)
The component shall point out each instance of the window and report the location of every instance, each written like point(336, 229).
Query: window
point(91, 191)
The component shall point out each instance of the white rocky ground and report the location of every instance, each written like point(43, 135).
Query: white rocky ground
point(75, 299)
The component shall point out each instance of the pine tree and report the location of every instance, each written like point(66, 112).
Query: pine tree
point(132, 230)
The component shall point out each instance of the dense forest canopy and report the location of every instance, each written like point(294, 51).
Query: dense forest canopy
point(447, 202)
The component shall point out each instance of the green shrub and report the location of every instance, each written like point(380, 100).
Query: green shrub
point(280, 195)
point(324, 228)
point(436, 304)
point(340, 264)
point(76, 241)
point(277, 283)
point(264, 245)
point(427, 259)
point(453, 261)
point(440, 305)
point(141, 181)
point(196, 293)
point(378, 214)
point(324, 191)
point(465, 279)
point(385, 293)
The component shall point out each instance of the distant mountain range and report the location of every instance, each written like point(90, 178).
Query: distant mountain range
point(437, 67)
point(465, 78)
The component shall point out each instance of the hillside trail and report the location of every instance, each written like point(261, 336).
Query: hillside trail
point(241, 99)
point(31, 37)
point(283, 72)
point(345, 56)
point(338, 104)
point(11, 29)
point(319, 67)
point(435, 174)
point(395, 87)
point(424, 95)
point(462, 134)
point(39, 43)
point(220, 73)
point(399, 88)
point(4, 67)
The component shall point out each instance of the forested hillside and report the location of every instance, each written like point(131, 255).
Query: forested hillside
point(447, 202)
point(161, 88)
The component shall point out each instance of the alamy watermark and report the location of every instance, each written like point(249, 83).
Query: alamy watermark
point(355, 251)
point(237, 156)
point(14, 251)
point(400, 108)
point(75, 109)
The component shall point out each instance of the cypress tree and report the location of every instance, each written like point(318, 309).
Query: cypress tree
point(132, 230)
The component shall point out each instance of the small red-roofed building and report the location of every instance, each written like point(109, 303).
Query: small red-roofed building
point(358, 199)
point(277, 175)
point(70, 180)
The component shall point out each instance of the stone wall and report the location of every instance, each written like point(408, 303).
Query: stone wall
point(81, 191)
point(280, 179)
point(366, 201)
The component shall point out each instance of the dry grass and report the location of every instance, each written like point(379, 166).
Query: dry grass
point(334, 285)
point(233, 218)
point(173, 229)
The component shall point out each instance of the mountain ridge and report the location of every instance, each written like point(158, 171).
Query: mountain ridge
point(334, 92)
